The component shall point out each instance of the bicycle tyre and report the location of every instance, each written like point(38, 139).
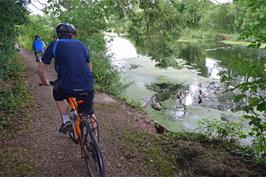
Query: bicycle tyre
point(39, 57)
point(92, 153)
point(73, 134)
point(97, 132)
point(72, 137)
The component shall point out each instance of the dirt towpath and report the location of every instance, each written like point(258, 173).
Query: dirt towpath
point(54, 154)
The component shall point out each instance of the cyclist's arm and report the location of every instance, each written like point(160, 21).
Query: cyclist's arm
point(88, 59)
point(43, 45)
point(42, 66)
point(41, 73)
point(33, 47)
point(90, 66)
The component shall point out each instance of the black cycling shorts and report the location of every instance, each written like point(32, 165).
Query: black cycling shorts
point(38, 56)
point(86, 107)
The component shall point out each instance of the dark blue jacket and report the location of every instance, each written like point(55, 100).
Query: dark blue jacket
point(71, 64)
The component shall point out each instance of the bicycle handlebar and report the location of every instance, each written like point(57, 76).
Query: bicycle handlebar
point(52, 83)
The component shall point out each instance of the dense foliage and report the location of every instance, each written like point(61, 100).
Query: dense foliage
point(155, 27)
point(12, 89)
point(159, 24)
point(91, 20)
point(12, 13)
point(42, 25)
point(253, 90)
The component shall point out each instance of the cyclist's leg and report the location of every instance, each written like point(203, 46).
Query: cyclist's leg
point(39, 56)
point(60, 98)
point(36, 56)
point(62, 106)
point(87, 107)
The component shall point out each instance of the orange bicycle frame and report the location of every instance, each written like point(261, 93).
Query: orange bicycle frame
point(73, 106)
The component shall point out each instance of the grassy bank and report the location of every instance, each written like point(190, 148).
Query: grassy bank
point(190, 153)
point(14, 95)
point(149, 149)
point(14, 118)
point(199, 34)
point(185, 154)
point(243, 43)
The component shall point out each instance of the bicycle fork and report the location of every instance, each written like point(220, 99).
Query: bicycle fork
point(75, 121)
point(83, 144)
point(77, 133)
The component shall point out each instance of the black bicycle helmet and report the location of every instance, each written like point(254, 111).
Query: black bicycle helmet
point(65, 29)
point(37, 36)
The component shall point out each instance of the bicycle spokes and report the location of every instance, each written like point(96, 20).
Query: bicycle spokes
point(93, 157)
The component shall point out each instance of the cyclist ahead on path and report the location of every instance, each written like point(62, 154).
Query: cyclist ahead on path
point(38, 46)
point(74, 70)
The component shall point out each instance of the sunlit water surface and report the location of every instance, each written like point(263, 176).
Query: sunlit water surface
point(178, 90)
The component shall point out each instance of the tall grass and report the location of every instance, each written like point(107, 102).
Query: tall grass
point(14, 95)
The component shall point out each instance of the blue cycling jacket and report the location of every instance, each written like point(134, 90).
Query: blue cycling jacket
point(71, 64)
point(38, 45)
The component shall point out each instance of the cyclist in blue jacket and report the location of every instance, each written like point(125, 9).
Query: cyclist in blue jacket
point(74, 70)
point(38, 46)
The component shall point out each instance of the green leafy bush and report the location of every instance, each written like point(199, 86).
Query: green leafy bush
point(224, 130)
point(14, 95)
point(42, 25)
point(252, 90)
point(10, 69)
point(107, 79)
point(90, 31)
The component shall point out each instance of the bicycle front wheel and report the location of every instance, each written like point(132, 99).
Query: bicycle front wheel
point(92, 153)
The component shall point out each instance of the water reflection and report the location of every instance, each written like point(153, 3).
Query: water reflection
point(187, 86)
point(213, 68)
point(237, 61)
point(119, 49)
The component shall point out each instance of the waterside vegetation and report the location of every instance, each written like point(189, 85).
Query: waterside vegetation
point(150, 25)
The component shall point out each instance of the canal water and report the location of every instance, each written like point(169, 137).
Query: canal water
point(185, 94)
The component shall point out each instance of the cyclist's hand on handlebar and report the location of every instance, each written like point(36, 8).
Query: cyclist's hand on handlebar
point(40, 84)
point(50, 83)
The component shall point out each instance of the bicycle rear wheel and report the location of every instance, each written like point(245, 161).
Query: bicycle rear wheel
point(39, 57)
point(92, 153)
point(73, 137)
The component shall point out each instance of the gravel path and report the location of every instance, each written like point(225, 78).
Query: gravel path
point(56, 155)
